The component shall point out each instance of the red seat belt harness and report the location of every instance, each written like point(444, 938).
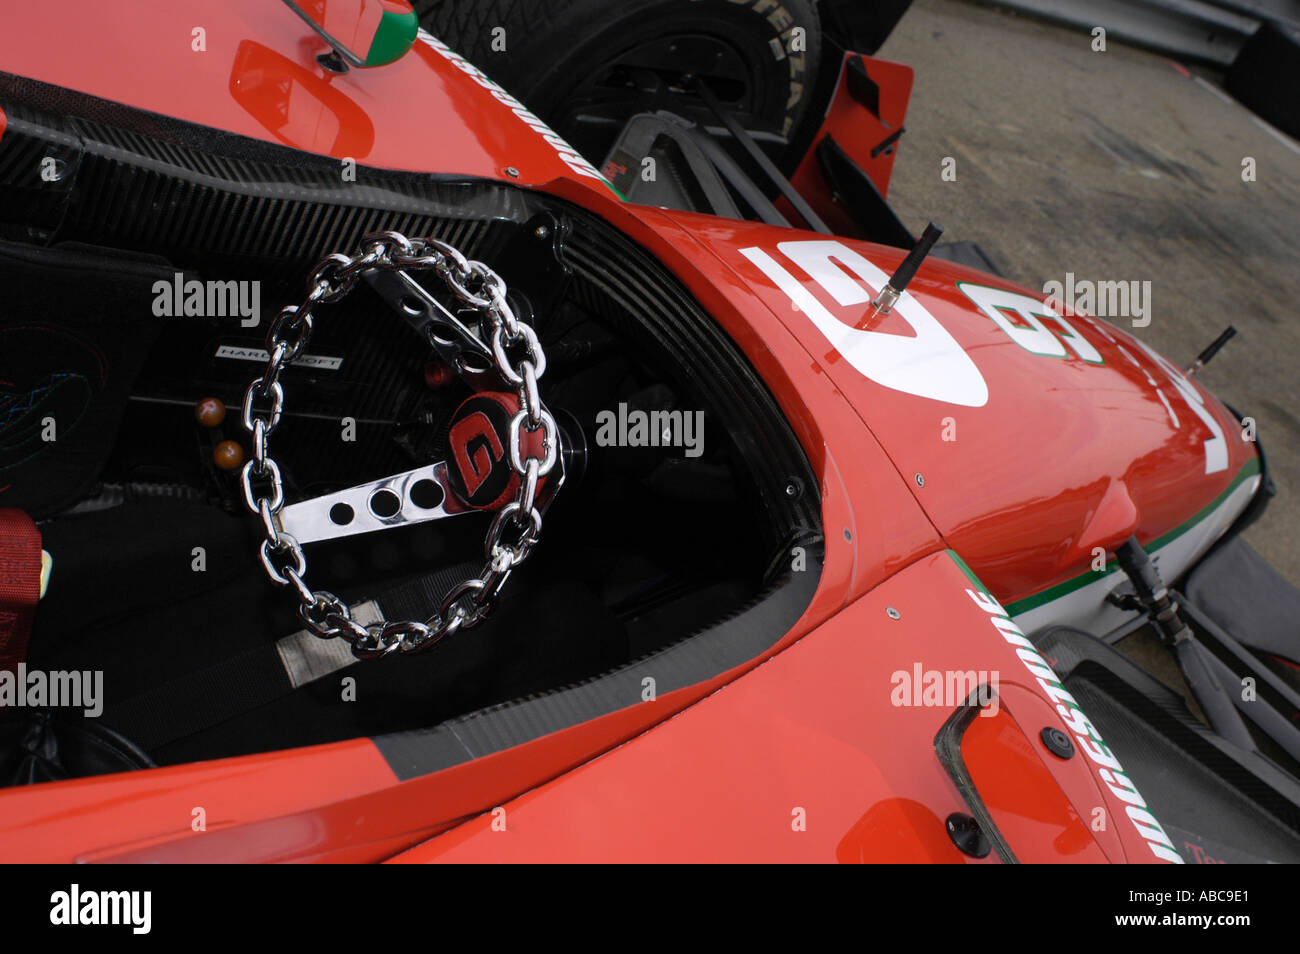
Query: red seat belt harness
point(20, 584)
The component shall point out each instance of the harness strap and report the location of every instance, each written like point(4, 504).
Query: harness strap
point(20, 584)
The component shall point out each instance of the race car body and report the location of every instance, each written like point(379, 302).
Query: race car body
point(850, 618)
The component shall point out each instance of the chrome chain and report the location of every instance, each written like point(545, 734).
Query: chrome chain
point(517, 526)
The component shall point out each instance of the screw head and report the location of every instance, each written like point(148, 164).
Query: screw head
point(967, 835)
point(512, 172)
point(541, 231)
point(1057, 742)
point(920, 480)
point(893, 613)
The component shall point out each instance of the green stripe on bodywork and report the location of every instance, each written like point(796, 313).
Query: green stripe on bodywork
point(970, 574)
point(1248, 470)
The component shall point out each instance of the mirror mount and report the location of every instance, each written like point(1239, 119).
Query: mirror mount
point(360, 33)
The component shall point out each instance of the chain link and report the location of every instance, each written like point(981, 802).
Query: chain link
point(466, 604)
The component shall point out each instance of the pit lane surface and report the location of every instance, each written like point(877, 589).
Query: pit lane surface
point(1118, 166)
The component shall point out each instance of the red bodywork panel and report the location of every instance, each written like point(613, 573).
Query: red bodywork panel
point(257, 75)
point(811, 725)
point(1112, 425)
point(743, 777)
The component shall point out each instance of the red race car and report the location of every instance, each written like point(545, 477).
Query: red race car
point(383, 477)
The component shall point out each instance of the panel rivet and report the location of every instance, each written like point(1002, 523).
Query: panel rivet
point(512, 172)
point(1057, 742)
point(893, 613)
point(920, 480)
point(966, 834)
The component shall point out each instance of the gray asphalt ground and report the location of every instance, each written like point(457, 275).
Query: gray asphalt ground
point(1116, 166)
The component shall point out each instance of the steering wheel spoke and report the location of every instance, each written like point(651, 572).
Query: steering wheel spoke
point(415, 496)
point(454, 341)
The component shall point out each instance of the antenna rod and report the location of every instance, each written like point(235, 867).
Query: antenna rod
point(898, 282)
point(1204, 357)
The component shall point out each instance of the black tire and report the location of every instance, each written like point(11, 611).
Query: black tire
point(1267, 67)
point(583, 65)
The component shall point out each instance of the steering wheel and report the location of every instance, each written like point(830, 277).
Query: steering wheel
point(506, 448)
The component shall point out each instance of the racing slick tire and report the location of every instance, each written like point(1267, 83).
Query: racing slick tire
point(586, 66)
